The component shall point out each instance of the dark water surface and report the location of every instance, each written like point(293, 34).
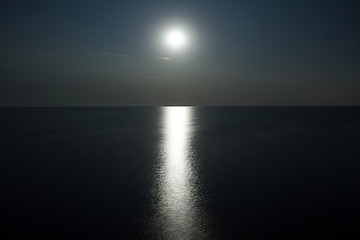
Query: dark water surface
point(180, 173)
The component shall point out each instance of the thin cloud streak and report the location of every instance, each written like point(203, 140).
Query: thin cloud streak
point(165, 58)
point(115, 54)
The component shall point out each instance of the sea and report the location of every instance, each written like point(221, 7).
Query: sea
point(180, 172)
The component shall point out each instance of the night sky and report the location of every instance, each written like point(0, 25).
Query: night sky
point(112, 53)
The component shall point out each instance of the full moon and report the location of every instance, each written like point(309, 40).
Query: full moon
point(175, 39)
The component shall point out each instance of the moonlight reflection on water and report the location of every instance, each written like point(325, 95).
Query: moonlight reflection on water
point(178, 210)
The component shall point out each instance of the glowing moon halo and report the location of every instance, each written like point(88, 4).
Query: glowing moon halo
point(175, 39)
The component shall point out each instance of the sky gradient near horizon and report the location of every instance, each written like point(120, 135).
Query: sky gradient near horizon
point(111, 53)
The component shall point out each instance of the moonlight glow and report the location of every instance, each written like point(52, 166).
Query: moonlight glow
point(176, 39)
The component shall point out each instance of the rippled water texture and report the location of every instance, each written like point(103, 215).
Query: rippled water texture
point(179, 213)
point(180, 173)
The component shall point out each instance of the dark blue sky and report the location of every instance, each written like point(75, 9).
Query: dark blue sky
point(69, 53)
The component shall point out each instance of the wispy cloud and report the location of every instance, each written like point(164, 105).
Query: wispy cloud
point(115, 54)
point(165, 58)
point(19, 69)
point(155, 78)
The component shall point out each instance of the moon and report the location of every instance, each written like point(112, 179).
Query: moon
point(176, 39)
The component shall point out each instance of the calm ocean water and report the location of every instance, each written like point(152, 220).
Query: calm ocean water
point(181, 172)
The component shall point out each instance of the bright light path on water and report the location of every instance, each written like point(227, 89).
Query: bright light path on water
point(179, 214)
